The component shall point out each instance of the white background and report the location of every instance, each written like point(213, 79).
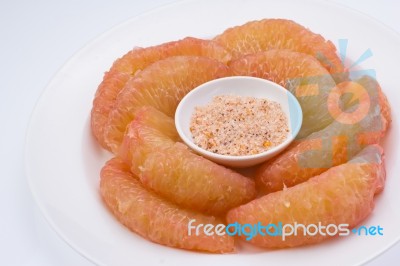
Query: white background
point(36, 39)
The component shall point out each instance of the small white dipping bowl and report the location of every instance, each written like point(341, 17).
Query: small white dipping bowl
point(240, 86)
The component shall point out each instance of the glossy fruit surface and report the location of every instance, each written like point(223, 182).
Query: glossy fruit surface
point(267, 34)
point(161, 85)
point(152, 217)
point(172, 170)
point(342, 195)
point(333, 145)
point(136, 60)
point(301, 74)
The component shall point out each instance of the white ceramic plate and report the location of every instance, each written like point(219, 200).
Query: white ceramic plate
point(63, 161)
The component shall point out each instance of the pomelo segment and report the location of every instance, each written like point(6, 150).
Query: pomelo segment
point(331, 146)
point(104, 101)
point(139, 58)
point(301, 74)
point(267, 34)
point(161, 85)
point(136, 60)
point(342, 195)
point(193, 181)
point(173, 171)
point(150, 130)
point(154, 218)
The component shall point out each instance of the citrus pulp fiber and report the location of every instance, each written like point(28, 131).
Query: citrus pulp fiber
point(342, 195)
point(172, 170)
point(301, 74)
point(136, 60)
point(161, 85)
point(152, 217)
point(333, 145)
point(267, 34)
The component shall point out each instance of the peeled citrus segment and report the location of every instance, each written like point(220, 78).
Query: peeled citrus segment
point(173, 171)
point(195, 182)
point(104, 101)
point(140, 58)
point(136, 60)
point(342, 195)
point(154, 218)
point(333, 145)
point(161, 85)
point(301, 74)
point(267, 34)
point(150, 130)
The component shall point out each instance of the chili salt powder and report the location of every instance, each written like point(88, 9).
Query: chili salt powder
point(238, 125)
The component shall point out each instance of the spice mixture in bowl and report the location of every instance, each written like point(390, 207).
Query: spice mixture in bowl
point(239, 125)
point(238, 121)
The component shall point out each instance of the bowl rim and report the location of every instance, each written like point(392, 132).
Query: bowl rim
point(291, 135)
